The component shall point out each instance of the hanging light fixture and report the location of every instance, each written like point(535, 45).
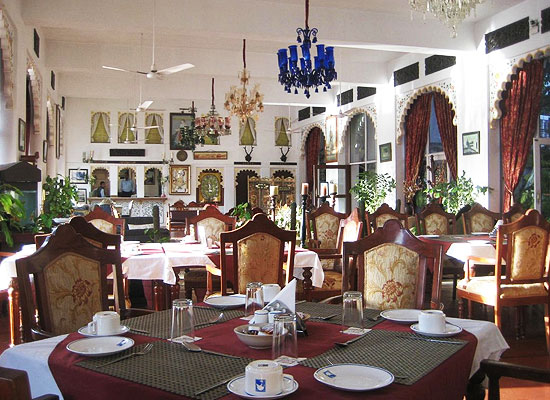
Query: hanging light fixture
point(306, 75)
point(212, 124)
point(450, 12)
point(241, 103)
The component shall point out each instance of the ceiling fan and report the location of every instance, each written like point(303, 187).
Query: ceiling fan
point(154, 72)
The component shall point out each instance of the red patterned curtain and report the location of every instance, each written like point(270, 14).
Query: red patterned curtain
point(445, 114)
point(519, 123)
point(313, 143)
point(417, 123)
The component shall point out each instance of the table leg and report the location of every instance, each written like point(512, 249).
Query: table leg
point(308, 285)
point(158, 295)
point(15, 313)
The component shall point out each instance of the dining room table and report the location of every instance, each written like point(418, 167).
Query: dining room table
point(423, 367)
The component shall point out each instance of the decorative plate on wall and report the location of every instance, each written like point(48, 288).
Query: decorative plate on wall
point(181, 155)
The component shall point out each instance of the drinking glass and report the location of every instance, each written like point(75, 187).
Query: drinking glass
point(284, 336)
point(254, 298)
point(352, 312)
point(182, 319)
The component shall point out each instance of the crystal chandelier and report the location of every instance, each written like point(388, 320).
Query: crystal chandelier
point(450, 12)
point(241, 103)
point(212, 124)
point(305, 76)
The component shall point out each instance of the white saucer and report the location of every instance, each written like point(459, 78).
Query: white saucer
point(86, 332)
point(100, 346)
point(401, 315)
point(236, 386)
point(450, 330)
point(226, 302)
point(480, 233)
point(354, 377)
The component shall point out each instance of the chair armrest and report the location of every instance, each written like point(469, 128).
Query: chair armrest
point(211, 269)
point(482, 260)
point(39, 334)
point(134, 312)
point(332, 300)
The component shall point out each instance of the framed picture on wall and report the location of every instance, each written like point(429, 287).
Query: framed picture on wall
point(21, 135)
point(180, 179)
point(470, 143)
point(331, 139)
point(78, 175)
point(82, 195)
point(180, 122)
point(385, 152)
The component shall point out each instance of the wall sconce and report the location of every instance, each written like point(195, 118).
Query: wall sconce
point(86, 159)
point(165, 161)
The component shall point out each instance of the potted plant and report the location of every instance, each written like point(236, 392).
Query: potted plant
point(456, 194)
point(242, 212)
point(372, 188)
point(11, 211)
point(59, 200)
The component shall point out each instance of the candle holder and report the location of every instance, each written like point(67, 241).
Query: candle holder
point(303, 228)
point(333, 200)
point(272, 206)
point(323, 199)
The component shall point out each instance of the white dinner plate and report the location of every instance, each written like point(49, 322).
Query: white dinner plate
point(86, 332)
point(236, 386)
point(478, 242)
point(401, 315)
point(429, 236)
point(354, 377)
point(450, 330)
point(227, 302)
point(100, 346)
point(480, 233)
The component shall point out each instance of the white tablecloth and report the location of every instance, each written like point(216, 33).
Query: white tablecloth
point(33, 357)
point(476, 248)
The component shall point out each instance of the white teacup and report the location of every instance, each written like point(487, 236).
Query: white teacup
point(261, 317)
point(431, 321)
point(270, 291)
point(105, 323)
point(264, 378)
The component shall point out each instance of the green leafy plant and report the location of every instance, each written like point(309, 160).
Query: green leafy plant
point(155, 236)
point(456, 194)
point(372, 188)
point(59, 200)
point(283, 217)
point(242, 212)
point(11, 211)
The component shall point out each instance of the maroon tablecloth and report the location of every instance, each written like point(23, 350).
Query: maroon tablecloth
point(448, 381)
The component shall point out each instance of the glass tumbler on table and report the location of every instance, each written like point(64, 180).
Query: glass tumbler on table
point(285, 338)
point(352, 311)
point(254, 298)
point(182, 320)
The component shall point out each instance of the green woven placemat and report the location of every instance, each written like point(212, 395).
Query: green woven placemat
point(169, 367)
point(158, 324)
point(326, 310)
point(408, 356)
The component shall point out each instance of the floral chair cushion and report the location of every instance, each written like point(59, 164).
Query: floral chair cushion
point(258, 259)
point(481, 223)
point(326, 226)
point(74, 291)
point(332, 281)
point(486, 286)
point(436, 224)
point(528, 253)
point(381, 219)
point(104, 226)
point(209, 230)
point(390, 277)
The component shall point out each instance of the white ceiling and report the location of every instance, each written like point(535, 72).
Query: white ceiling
point(82, 35)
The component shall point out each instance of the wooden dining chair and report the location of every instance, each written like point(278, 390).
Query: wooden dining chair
point(210, 223)
point(479, 219)
point(323, 226)
point(350, 230)
point(258, 255)
point(14, 385)
point(178, 214)
point(105, 222)
point(70, 284)
point(381, 215)
point(521, 267)
point(390, 267)
point(514, 213)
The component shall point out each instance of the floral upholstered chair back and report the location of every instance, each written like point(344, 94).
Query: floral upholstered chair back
point(479, 219)
point(73, 284)
point(258, 259)
point(436, 224)
point(104, 226)
point(381, 220)
point(209, 230)
point(326, 227)
point(390, 277)
point(530, 254)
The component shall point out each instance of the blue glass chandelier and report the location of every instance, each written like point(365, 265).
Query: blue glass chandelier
point(306, 75)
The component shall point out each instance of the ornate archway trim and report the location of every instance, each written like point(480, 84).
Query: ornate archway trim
point(240, 170)
point(404, 102)
point(7, 43)
point(501, 74)
point(36, 85)
point(370, 110)
point(305, 133)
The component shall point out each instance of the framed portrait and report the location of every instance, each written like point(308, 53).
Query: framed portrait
point(385, 152)
point(180, 182)
point(21, 135)
point(78, 175)
point(179, 121)
point(331, 139)
point(470, 143)
point(82, 195)
point(44, 150)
